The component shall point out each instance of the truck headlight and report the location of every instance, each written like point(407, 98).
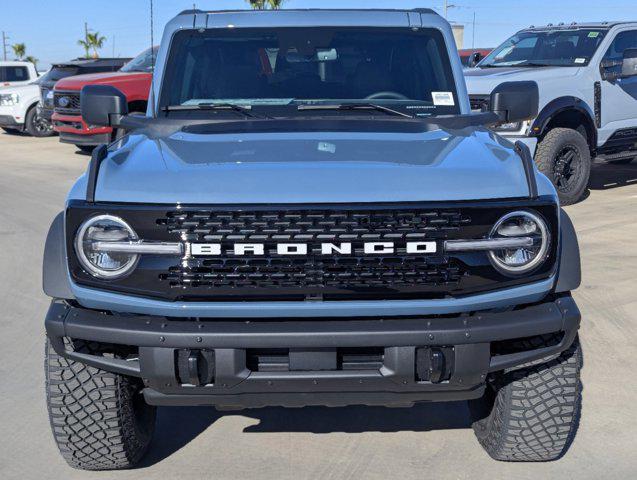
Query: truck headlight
point(102, 262)
point(508, 127)
point(9, 99)
point(520, 260)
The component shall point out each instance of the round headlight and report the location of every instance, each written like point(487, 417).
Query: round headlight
point(97, 231)
point(520, 260)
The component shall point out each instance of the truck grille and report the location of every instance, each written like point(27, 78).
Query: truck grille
point(67, 103)
point(312, 275)
point(480, 102)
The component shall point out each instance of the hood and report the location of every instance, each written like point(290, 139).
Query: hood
point(29, 89)
point(313, 167)
point(105, 78)
point(484, 80)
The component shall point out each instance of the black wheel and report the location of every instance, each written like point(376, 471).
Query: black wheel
point(99, 419)
point(86, 148)
point(531, 414)
point(11, 131)
point(37, 126)
point(565, 158)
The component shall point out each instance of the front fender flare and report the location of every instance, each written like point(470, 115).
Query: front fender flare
point(55, 278)
point(570, 271)
point(559, 105)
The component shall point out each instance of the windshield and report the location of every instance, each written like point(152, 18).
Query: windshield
point(57, 73)
point(564, 48)
point(143, 62)
point(264, 68)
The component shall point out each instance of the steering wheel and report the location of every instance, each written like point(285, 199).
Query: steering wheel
point(388, 94)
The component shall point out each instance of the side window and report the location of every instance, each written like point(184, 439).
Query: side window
point(16, 74)
point(615, 52)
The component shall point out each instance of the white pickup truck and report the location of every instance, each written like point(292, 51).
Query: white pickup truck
point(587, 78)
point(19, 98)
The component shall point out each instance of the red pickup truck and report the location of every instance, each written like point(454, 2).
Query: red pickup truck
point(133, 79)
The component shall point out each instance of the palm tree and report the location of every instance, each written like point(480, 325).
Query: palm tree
point(33, 60)
point(266, 4)
point(20, 50)
point(85, 45)
point(96, 42)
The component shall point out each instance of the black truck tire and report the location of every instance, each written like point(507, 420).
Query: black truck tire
point(531, 414)
point(564, 157)
point(36, 126)
point(99, 419)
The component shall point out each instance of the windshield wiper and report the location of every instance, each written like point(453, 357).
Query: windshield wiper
point(212, 106)
point(354, 106)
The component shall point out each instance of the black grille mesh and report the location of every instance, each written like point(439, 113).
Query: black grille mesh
point(479, 102)
point(313, 272)
point(311, 225)
point(73, 106)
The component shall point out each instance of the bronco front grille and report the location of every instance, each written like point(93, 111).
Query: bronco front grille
point(313, 275)
point(66, 103)
point(479, 102)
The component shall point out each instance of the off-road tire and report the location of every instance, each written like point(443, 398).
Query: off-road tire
point(546, 158)
point(99, 419)
point(34, 126)
point(531, 414)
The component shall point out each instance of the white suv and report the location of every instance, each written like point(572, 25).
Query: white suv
point(19, 112)
point(17, 73)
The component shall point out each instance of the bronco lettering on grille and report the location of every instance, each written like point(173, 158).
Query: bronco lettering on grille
point(368, 248)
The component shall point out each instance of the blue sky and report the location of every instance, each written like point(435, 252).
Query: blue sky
point(50, 29)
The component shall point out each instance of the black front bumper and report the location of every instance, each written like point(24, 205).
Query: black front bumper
point(468, 342)
point(9, 122)
point(85, 140)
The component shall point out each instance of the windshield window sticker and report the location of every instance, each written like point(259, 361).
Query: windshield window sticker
point(580, 60)
point(593, 34)
point(442, 98)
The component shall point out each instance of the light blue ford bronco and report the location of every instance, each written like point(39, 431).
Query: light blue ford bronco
point(310, 214)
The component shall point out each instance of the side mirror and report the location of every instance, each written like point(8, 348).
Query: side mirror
point(629, 63)
point(103, 105)
point(474, 59)
point(515, 101)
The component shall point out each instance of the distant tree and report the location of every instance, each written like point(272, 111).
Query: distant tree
point(33, 60)
point(85, 45)
point(20, 50)
point(266, 4)
point(96, 41)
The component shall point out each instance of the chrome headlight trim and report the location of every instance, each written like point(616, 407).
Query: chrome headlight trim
point(539, 258)
point(88, 265)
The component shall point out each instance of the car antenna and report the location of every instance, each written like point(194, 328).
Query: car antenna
point(152, 64)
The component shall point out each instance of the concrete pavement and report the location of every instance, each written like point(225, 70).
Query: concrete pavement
point(428, 441)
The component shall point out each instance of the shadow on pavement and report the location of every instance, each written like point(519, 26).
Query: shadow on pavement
point(178, 426)
point(605, 176)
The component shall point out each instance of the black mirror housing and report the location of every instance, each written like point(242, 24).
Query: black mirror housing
point(103, 105)
point(629, 63)
point(474, 59)
point(515, 101)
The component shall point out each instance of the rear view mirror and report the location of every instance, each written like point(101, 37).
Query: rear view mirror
point(102, 105)
point(474, 59)
point(515, 101)
point(629, 63)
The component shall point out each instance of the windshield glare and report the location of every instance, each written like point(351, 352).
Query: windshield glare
point(143, 62)
point(563, 48)
point(262, 67)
